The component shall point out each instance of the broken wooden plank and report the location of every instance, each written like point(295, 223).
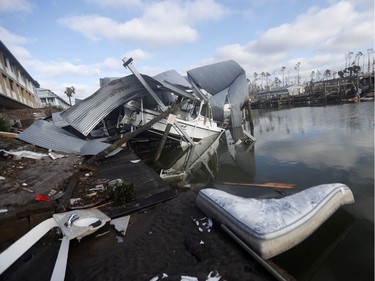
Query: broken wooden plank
point(267, 185)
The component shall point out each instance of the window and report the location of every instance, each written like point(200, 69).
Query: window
point(5, 60)
point(11, 84)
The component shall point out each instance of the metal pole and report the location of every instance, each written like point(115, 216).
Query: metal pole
point(270, 269)
point(163, 140)
point(128, 63)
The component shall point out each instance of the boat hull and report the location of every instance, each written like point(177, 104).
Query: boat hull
point(196, 129)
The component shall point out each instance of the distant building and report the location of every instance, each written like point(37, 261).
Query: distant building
point(296, 90)
point(17, 87)
point(49, 98)
point(291, 90)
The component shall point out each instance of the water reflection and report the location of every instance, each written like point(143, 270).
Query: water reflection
point(204, 162)
point(187, 164)
point(314, 145)
point(324, 137)
point(307, 146)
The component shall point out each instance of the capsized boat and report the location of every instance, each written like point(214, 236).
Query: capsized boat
point(272, 226)
point(190, 117)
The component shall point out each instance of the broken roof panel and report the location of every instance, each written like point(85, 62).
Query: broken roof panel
point(58, 120)
point(214, 78)
point(49, 136)
point(227, 80)
point(93, 147)
point(85, 115)
point(174, 78)
point(175, 83)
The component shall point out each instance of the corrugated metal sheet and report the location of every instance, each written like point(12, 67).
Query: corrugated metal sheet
point(85, 115)
point(223, 80)
point(58, 120)
point(47, 135)
point(93, 147)
point(172, 77)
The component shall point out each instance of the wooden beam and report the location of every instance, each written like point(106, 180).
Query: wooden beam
point(127, 136)
point(267, 185)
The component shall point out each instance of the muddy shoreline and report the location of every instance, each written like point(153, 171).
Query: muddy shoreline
point(161, 241)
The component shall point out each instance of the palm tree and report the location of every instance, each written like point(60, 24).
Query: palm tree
point(255, 76)
point(70, 91)
point(347, 59)
point(318, 75)
point(357, 56)
point(267, 77)
point(263, 74)
point(312, 75)
point(298, 64)
point(283, 70)
point(327, 74)
point(369, 53)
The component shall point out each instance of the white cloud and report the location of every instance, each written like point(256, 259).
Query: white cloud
point(15, 45)
point(162, 23)
point(333, 31)
point(117, 3)
point(15, 6)
point(82, 91)
point(11, 38)
point(138, 55)
point(47, 69)
point(111, 63)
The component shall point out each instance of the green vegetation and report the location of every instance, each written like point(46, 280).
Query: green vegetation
point(4, 126)
point(122, 193)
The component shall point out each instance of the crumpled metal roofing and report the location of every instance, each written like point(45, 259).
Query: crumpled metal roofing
point(224, 80)
point(92, 147)
point(85, 115)
point(176, 83)
point(47, 135)
point(58, 120)
point(174, 78)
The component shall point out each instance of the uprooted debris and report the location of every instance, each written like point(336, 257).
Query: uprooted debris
point(91, 191)
point(24, 178)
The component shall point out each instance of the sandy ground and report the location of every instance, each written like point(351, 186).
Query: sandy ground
point(162, 242)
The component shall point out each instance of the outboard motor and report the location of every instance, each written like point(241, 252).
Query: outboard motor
point(131, 108)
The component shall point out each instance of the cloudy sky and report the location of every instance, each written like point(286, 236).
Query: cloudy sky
point(76, 42)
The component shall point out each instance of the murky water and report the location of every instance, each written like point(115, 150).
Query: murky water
point(310, 146)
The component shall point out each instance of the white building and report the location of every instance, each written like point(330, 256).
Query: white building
point(17, 87)
point(49, 98)
point(296, 90)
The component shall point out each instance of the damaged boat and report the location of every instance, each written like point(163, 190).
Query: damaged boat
point(126, 104)
point(202, 94)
